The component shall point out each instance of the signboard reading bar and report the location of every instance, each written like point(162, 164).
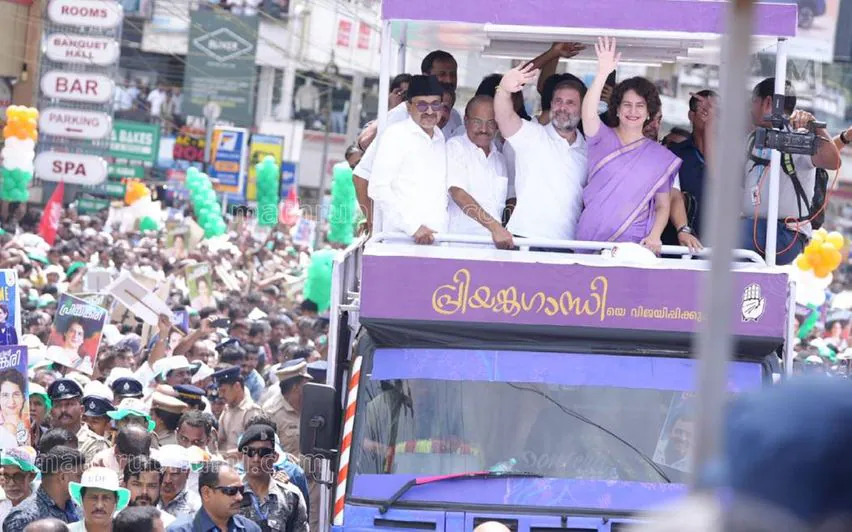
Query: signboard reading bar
point(77, 86)
point(220, 65)
point(565, 295)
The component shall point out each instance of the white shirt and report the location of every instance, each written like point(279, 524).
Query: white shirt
point(364, 169)
point(409, 179)
point(483, 177)
point(550, 175)
point(756, 197)
point(156, 98)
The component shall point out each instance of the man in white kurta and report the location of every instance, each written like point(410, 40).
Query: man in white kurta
point(409, 177)
point(477, 176)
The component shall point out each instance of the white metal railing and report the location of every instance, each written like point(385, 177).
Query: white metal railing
point(524, 244)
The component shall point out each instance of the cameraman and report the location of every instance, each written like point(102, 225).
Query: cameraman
point(793, 235)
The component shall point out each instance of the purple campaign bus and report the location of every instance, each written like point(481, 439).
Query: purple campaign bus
point(543, 390)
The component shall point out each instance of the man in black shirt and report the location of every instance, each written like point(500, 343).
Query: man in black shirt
point(686, 196)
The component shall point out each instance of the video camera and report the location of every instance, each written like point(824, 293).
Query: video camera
point(777, 138)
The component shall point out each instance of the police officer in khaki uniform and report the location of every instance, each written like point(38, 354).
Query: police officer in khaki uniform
point(166, 411)
point(285, 405)
point(67, 413)
point(239, 408)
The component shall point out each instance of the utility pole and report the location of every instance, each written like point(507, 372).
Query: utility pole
point(331, 71)
point(355, 104)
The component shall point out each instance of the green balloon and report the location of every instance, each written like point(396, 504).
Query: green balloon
point(148, 224)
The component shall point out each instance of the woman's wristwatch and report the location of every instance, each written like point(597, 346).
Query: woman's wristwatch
point(844, 139)
point(686, 229)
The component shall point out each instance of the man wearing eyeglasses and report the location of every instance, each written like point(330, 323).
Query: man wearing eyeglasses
point(18, 473)
point(221, 493)
point(409, 178)
point(276, 506)
point(477, 176)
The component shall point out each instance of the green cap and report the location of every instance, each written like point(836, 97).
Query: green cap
point(38, 389)
point(73, 267)
point(21, 457)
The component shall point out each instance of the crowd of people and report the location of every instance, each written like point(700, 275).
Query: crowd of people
point(590, 167)
point(174, 427)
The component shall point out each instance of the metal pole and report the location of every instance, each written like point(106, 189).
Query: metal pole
point(715, 343)
point(384, 74)
point(323, 170)
point(775, 166)
point(402, 51)
point(355, 104)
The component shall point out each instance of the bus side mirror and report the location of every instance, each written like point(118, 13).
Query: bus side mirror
point(319, 430)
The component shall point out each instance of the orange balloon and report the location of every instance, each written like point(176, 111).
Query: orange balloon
point(803, 263)
point(7, 132)
point(831, 257)
point(822, 273)
point(34, 136)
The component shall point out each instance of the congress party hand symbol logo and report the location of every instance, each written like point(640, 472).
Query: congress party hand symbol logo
point(754, 304)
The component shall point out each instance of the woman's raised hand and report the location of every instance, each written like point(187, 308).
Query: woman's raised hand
point(607, 56)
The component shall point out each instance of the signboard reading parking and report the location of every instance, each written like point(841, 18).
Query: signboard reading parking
point(74, 123)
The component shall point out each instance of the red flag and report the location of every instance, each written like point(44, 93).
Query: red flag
point(52, 212)
point(290, 209)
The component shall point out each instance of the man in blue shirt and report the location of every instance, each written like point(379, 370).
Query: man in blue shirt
point(221, 491)
point(684, 226)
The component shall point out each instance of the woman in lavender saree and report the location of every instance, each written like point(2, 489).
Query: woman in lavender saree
point(626, 198)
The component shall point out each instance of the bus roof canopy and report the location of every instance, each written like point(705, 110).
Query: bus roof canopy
point(648, 30)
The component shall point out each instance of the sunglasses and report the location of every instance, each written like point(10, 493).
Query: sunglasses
point(262, 452)
point(230, 491)
point(423, 106)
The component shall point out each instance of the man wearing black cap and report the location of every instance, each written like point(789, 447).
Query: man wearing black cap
point(191, 395)
point(239, 407)
point(125, 387)
point(275, 505)
point(67, 413)
point(409, 178)
point(95, 414)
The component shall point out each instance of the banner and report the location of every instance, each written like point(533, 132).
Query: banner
point(228, 160)
point(135, 141)
point(220, 65)
point(199, 281)
point(188, 148)
point(288, 177)
point(76, 334)
point(261, 146)
point(10, 308)
point(562, 295)
point(15, 407)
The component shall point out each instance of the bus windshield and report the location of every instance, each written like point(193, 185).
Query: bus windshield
point(576, 416)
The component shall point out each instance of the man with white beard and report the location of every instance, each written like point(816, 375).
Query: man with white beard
point(550, 161)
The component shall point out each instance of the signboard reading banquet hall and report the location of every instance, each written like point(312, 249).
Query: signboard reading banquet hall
point(220, 65)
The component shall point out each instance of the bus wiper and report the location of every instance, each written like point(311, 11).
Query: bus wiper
point(420, 481)
point(588, 421)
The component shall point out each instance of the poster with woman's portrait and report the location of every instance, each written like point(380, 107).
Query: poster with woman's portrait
point(10, 315)
point(199, 281)
point(177, 241)
point(14, 397)
point(76, 333)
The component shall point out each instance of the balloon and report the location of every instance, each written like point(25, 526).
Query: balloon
point(148, 224)
point(835, 239)
point(803, 263)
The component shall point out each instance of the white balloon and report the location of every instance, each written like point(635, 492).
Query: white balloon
point(20, 144)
